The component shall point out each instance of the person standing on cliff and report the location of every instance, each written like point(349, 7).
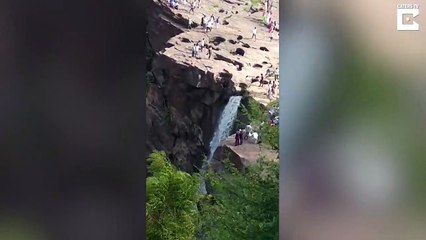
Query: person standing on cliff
point(277, 74)
point(265, 7)
point(203, 24)
point(261, 80)
point(193, 50)
point(209, 51)
point(197, 50)
point(189, 23)
point(237, 138)
point(269, 93)
point(249, 130)
point(254, 34)
point(209, 26)
point(202, 45)
point(273, 88)
point(271, 27)
point(192, 7)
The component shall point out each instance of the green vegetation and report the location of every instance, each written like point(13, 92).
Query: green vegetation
point(256, 114)
point(243, 205)
point(255, 3)
point(171, 211)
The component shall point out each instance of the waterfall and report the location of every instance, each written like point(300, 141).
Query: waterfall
point(225, 123)
point(222, 130)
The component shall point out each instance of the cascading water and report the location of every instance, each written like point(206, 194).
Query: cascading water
point(222, 130)
point(224, 126)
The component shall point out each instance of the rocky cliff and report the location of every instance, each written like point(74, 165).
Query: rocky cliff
point(183, 102)
point(185, 95)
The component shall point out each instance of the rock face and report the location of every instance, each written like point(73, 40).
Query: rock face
point(183, 102)
point(233, 49)
point(186, 95)
point(241, 156)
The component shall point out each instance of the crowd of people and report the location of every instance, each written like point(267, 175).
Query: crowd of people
point(267, 18)
point(272, 84)
point(207, 23)
point(246, 134)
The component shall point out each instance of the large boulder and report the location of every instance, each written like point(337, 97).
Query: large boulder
point(240, 156)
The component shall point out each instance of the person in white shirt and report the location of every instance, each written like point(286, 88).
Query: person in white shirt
point(269, 91)
point(209, 26)
point(248, 131)
point(277, 73)
point(202, 45)
point(255, 137)
point(189, 23)
point(254, 33)
point(197, 50)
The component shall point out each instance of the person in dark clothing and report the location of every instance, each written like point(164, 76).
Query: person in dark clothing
point(209, 51)
point(241, 136)
point(261, 80)
point(202, 45)
point(237, 138)
point(193, 50)
point(273, 88)
point(191, 9)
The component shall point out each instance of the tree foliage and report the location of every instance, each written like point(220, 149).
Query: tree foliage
point(257, 115)
point(244, 205)
point(171, 210)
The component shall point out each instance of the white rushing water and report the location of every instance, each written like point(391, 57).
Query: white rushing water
point(225, 123)
point(222, 131)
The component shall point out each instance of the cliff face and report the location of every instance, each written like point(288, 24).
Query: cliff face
point(183, 102)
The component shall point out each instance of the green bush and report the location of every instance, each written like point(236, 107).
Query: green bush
point(244, 205)
point(257, 115)
point(171, 210)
